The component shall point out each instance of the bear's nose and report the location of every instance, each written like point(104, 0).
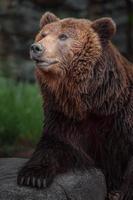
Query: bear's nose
point(37, 48)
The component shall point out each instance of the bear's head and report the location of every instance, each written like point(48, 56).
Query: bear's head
point(68, 51)
point(63, 45)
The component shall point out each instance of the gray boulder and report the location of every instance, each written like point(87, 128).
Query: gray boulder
point(71, 186)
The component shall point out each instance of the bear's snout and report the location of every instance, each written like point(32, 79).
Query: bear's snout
point(36, 50)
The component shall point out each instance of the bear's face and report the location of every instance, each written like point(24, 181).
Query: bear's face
point(61, 41)
point(70, 47)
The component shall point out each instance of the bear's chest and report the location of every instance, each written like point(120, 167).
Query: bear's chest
point(94, 133)
point(71, 105)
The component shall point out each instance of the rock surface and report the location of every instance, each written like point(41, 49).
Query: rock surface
point(71, 186)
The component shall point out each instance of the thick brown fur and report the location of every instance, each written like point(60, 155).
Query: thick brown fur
point(88, 106)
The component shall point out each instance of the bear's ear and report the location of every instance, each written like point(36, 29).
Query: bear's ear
point(47, 18)
point(105, 27)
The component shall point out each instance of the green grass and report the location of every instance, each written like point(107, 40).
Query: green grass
point(20, 112)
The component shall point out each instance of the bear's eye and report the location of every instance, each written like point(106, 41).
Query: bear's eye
point(43, 34)
point(63, 37)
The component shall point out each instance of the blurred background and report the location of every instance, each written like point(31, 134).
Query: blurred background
point(20, 101)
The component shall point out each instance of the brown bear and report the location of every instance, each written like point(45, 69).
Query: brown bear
point(87, 89)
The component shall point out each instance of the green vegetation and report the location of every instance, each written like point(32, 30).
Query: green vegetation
point(20, 113)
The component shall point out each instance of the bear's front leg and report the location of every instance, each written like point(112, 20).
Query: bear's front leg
point(50, 158)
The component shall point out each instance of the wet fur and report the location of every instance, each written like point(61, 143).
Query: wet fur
point(88, 121)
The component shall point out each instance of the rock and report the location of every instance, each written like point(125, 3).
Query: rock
point(48, 2)
point(77, 4)
point(70, 186)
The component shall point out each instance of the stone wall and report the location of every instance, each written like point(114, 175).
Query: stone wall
point(19, 21)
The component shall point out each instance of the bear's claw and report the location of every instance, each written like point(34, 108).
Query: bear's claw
point(31, 177)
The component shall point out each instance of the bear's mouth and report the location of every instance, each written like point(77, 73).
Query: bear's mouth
point(44, 63)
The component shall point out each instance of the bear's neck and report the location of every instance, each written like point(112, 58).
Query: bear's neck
point(112, 93)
